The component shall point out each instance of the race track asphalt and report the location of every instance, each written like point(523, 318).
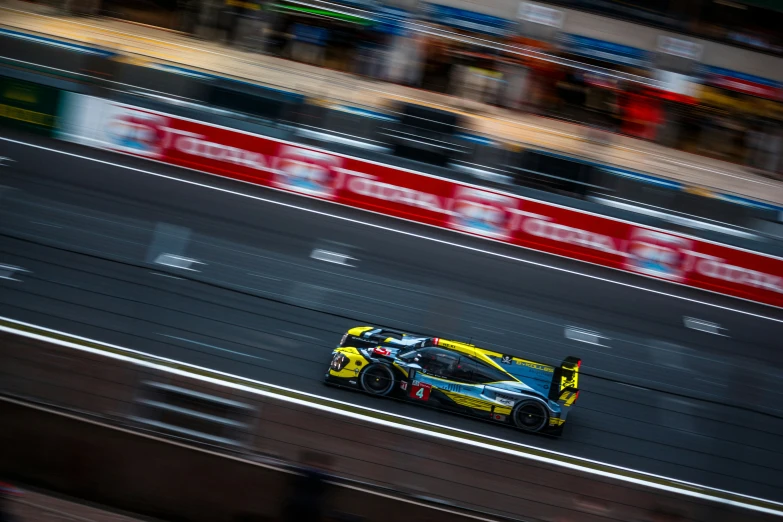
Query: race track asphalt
point(262, 302)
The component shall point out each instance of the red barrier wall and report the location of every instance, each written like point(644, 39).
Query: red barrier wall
point(420, 197)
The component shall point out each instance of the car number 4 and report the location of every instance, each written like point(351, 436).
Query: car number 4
point(420, 391)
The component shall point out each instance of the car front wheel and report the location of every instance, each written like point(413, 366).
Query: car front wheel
point(377, 379)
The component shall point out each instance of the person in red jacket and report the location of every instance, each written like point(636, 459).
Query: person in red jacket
point(641, 114)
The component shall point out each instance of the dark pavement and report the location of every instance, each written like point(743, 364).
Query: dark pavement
point(265, 290)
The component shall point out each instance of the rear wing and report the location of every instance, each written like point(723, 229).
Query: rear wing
point(565, 382)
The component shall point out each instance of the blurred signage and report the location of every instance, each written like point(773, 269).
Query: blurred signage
point(744, 83)
point(392, 20)
point(677, 87)
point(426, 199)
point(606, 51)
point(470, 21)
point(539, 14)
point(679, 47)
point(28, 105)
point(369, 5)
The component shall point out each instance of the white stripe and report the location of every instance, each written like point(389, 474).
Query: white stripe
point(647, 479)
point(420, 236)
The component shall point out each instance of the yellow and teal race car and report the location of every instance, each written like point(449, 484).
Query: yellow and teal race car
point(461, 377)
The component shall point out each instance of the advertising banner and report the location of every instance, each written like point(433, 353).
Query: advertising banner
point(743, 83)
point(426, 199)
point(28, 105)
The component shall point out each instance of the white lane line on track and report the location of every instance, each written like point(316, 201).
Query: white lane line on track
point(304, 336)
point(712, 383)
point(332, 257)
point(166, 275)
point(633, 386)
point(8, 272)
point(584, 336)
point(704, 326)
point(497, 332)
point(264, 276)
point(184, 340)
point(180, 262)
point(45, 224)
point(705, 492)
point(410, 234)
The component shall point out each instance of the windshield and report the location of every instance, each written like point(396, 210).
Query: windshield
point(413, 349)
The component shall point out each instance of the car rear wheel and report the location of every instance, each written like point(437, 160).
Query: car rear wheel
point(377, 379)
point(530, 416)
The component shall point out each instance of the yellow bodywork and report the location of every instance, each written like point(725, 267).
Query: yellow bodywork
point(356, 363)
point(469, 349)
point(569, 377)
point(359, 330)
point(486, 356)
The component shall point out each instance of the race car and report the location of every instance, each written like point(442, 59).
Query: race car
point(457, 376)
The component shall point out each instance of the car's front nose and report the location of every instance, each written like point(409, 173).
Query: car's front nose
point(345, 365)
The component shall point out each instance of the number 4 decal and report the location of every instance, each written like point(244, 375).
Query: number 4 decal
point(420, 391)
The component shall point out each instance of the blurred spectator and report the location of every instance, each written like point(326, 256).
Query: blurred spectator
point(236, 14)
point(6, 492)
point(437, 68)
point(641, 114)
point(772, 147)
point(406, 61)
point(370, 58)
point(307, 494)
point(306, 43)
point(754, 144)
point(572, 96)
point(188, 15)
point(515, 85)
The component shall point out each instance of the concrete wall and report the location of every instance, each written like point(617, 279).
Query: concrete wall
point(106, 465)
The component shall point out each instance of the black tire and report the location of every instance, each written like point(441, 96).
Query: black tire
point(530, 415)
point(377, 379)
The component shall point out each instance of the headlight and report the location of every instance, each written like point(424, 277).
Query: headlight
point(339, 361)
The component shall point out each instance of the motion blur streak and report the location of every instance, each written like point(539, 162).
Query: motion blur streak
point(396, 230)
point(658, 396)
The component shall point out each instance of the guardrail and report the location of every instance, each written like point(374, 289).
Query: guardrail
point(494, 478)
point(423, 198)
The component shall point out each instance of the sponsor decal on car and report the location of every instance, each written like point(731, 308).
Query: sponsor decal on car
point(420, 391)
point(505, 400)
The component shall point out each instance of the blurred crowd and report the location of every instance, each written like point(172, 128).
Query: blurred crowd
point(713, 121)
